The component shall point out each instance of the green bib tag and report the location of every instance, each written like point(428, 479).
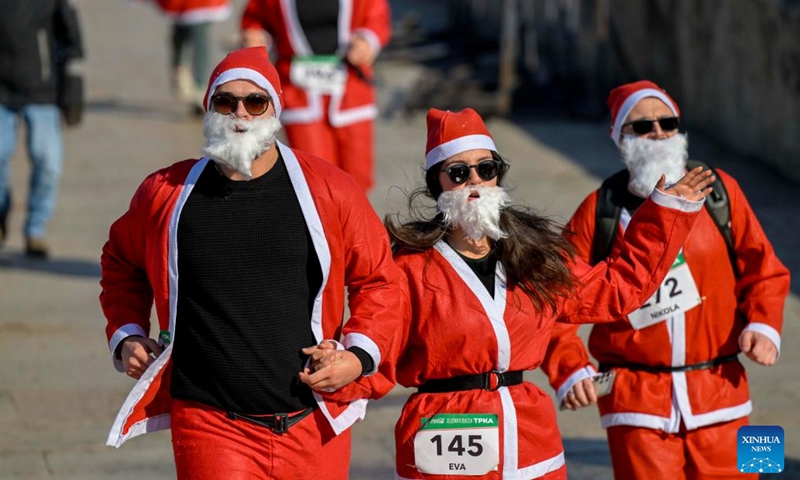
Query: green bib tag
point(163, 335)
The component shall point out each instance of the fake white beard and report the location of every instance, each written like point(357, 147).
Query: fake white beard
point(237, 150)
point(648, 159)
point(479, 217)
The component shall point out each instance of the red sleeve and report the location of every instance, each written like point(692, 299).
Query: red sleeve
point(763, 283)
point(376, 19)
point(259, 14)
point(377, 296)
point(631, 274)
point(126, 296)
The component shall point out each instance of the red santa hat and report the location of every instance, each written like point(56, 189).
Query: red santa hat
point(247, 64)
point(451, 133)
point(622, 99)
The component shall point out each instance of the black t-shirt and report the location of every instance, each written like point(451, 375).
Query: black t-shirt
point(320, 22)
point(248, 276)
point(484, 268)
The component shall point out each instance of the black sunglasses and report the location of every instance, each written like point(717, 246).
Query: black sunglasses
point(459, 172)
point(643, 127)
point(227, 103)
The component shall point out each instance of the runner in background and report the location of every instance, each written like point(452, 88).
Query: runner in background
point(191, 57)
point(324, 55)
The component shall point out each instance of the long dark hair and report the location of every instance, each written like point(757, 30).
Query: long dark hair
point(535, 254)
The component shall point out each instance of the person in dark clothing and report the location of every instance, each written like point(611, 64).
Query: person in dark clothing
point(40, 42)
point(246, 254)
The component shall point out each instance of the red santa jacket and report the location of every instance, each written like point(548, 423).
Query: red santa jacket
point(458, 328)
point(754, 301)
point(196, 11)
point(367, 18)
point(139, 268)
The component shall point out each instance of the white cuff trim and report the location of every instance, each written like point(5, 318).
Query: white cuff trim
point(365, 343)
point(675, 202)
point(585, 372)
point(766, 330)
point(121, 334)
point(371, 38)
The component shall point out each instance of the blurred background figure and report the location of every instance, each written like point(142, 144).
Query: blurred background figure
point(191, 50)
point(325, 52)
point(39, 42)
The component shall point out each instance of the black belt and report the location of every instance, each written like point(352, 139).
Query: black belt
point(604, 367)
point(278, 423)
point(481, 381)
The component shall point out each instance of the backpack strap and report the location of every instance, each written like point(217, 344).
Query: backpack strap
point(719, 207)
point(612, 196)
point(609, 209)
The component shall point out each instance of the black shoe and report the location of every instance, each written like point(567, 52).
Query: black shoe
point(36, 248)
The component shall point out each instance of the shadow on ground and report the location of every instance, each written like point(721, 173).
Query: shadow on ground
point(55, 266)
point(129, 109)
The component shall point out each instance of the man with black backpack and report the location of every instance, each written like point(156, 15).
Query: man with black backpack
point(671, 390)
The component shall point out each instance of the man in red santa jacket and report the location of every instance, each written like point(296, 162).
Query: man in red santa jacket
point(325, 52)
point(246, 254)
point(679, 394)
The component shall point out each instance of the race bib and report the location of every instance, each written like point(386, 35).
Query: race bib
point(677, 293)
point(458, 444)
point(324, 74)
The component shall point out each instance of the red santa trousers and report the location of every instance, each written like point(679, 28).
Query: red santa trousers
point(702, 454)
point(349, 147)
point(210, 446)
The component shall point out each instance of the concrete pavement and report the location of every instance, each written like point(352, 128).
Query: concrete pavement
point(58, 390)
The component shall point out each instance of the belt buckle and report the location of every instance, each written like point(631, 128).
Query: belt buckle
point(488, 383)
point(280, 423)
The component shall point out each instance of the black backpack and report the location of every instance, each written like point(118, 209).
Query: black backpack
point(614, 195)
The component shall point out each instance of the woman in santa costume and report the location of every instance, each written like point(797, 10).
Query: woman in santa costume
point(680, 393)
point(246, 254)
point(325, 52)
point(487, 281)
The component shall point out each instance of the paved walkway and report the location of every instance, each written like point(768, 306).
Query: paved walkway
point(58, 390)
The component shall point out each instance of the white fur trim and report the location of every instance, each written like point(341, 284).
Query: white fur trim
point(693, 422)
point(510, 433)
point(454, 147)
point(675, 202)
point(585, 372)
point(297, 38)
point(311, 113)
point(345, 24)
point(634, 419)
point(315, 229)
point(245, 74)
point(115, 437)
point(540, 469)
point(494, 307)
point(341, 118)
point(371, 38)
point(201, 15)
point(766, 330)
point(365, 343)
point(630, 102)
point(123, 332)
point(354, 412)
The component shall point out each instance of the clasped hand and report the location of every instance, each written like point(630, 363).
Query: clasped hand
point(330, 368)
